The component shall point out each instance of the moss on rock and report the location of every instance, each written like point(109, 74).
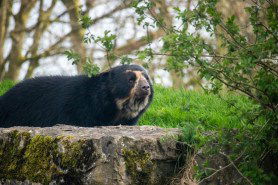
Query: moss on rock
point(76, 155)
point(139, 166)
point(39, 158)
point(12, 149)
point(72, 154)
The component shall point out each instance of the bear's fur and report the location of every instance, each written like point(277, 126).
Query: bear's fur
point(118, 96)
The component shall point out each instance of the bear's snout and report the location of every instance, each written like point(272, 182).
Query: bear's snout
point(143, 88)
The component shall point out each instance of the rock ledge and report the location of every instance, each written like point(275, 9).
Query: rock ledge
point(119, 155)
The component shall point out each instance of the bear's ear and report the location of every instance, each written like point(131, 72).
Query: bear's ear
point(105, 74)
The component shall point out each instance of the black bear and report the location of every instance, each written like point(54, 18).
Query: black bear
point(117, 96)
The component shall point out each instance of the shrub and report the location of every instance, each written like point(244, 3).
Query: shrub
point(240, 64)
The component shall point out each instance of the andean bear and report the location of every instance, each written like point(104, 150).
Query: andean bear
point(118, 96)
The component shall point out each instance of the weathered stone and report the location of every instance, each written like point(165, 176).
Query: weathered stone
point(119, 155)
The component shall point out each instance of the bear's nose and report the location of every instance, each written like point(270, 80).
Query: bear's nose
point(145, 87)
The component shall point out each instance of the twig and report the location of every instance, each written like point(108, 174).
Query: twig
point(217, 171)
point(231, 162)
point(107, 58)
point(269, 31)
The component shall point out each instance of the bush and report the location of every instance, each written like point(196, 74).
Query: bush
point(240, 64)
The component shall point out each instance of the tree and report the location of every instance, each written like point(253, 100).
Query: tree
point(4, 7)
point(31, 32)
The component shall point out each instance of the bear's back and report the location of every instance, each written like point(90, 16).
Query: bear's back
point(39, 99)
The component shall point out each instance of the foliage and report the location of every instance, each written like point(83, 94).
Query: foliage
point(106, 42)
point(245, 63)
point(140, 8)
point(85, 20)
point(89, 68)
point(6, 85)
point(126, 60)
point(246, 66)
point(72, 56)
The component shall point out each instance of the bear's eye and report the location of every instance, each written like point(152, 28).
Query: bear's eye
point(131, 80)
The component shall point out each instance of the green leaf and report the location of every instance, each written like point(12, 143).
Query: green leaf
point(90, 69)
point(72, 56)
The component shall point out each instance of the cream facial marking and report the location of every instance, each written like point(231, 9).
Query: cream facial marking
point(131, 106)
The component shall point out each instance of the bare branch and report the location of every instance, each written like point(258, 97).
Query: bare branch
point(43, 23)
point(136, 44)
point(221, 169)
point(53, 47)
point(231, 162)
point(108, 14)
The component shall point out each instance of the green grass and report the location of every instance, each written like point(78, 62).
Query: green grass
point(6, 85)
point(180, 108)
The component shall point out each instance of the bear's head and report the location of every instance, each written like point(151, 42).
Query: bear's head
point(131, 88)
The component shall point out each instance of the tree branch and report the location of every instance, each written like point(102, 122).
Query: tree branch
point(231, 162)
point(53, 47)
point(136, 44)
point(116, 9)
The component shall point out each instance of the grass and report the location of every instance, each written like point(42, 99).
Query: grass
point(6, 85)
point(179, 108)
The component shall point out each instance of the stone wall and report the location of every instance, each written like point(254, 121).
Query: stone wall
point(119, 155)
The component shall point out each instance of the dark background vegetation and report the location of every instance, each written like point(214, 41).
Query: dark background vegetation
point(226, 51)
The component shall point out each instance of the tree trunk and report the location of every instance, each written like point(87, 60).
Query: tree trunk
point(14, 69)
point(77, 31)
point(18, 37)
point(3, 19)
point(43, 23)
